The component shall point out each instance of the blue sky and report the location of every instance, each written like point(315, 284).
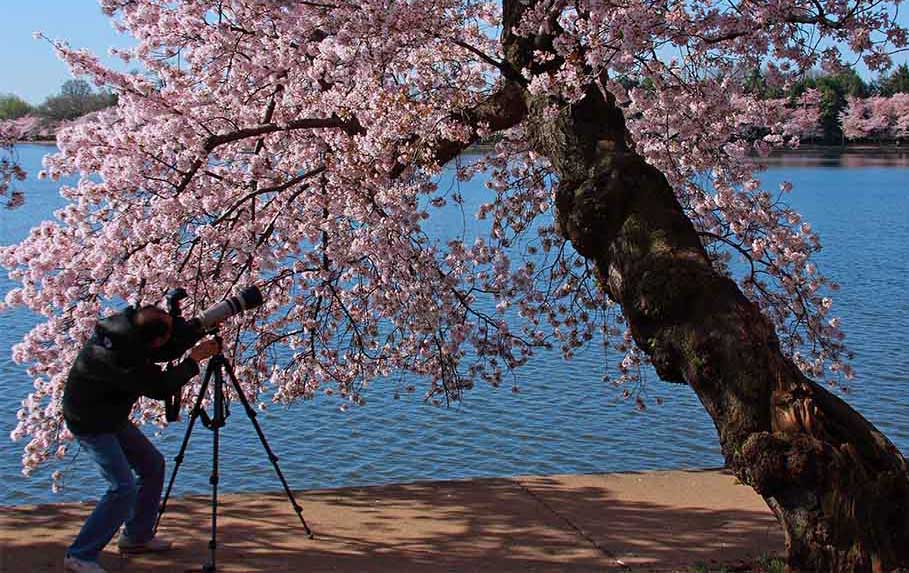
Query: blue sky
point(29, 68)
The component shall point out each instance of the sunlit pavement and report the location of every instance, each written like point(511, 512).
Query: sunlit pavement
point(668, 520)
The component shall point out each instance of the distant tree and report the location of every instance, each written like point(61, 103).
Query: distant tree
point(13, 107)
point(877, 118)
point(803, 118)
point(755, 83)
point(834, 89)
point(897, 82)
point(76, 98)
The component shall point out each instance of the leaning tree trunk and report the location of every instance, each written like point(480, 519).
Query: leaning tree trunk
point(839, 488)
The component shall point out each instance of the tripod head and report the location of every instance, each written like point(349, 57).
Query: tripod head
point(173, 402)
point(220, 403)
point(214, 371)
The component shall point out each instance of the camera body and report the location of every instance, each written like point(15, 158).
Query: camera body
point(188, 332)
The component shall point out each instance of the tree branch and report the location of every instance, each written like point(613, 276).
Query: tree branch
point(503, 109)
point(351, 126)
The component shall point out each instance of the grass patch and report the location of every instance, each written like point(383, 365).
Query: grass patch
point(701, 567)
point(764, 564)
point(769, 564)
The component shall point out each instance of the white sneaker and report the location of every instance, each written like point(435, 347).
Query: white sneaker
point(75, 565)
point(153, 545)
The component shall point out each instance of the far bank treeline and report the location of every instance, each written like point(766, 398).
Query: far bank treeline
point(75, 99)
point(832, 108)
point(848, 109)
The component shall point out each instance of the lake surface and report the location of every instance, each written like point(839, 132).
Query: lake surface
point(564, 419)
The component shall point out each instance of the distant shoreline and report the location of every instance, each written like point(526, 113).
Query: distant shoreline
point(850, 147)
point(807, 148)
point(857, 148)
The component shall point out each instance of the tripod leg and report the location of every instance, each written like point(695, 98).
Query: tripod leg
point(251, 414)
point(197, 408)
point(218, 421)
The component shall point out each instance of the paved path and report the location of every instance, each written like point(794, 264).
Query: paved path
point(663, 521)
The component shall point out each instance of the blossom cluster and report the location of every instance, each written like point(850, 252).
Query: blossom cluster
point(12, 131)
point(878, 118)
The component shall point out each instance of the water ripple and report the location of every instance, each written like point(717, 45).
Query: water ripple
point(563, 420)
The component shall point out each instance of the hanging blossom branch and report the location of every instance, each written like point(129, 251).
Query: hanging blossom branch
point(11, 131)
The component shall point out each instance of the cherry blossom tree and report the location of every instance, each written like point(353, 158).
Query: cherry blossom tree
point(298, 145)
point(800, 117)
point(900, 106)
point(881, 118)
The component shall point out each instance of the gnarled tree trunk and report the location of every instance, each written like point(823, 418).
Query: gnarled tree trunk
point(839, 488)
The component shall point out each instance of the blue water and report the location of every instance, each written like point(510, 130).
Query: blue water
point(564, 419)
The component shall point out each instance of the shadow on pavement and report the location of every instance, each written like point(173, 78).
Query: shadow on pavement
point(556, 523)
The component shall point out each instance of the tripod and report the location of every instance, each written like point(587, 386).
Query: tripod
point(217, 365)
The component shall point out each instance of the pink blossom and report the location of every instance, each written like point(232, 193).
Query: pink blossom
point(884, 118)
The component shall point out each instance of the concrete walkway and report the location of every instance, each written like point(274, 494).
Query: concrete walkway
point(654, 521)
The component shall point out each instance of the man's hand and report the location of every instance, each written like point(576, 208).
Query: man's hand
point(205, 349)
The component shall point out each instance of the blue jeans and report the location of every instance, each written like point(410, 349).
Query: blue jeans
point(129, 500)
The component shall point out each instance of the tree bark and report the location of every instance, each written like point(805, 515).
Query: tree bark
point(839, 488)
point(837, 485)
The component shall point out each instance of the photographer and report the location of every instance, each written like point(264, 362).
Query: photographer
point(114, 368)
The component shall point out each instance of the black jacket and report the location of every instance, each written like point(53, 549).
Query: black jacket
point(113, 369)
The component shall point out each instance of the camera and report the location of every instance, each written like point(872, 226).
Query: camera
point(248, 298)
point(188, 332)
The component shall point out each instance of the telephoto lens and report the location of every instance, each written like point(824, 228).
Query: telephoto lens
point(248, 298)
